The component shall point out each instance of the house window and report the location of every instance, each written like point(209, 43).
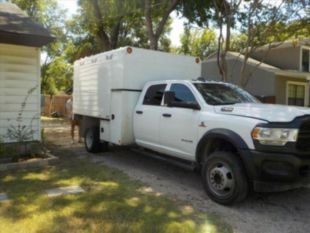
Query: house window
point(297, 94)
point(305, 60)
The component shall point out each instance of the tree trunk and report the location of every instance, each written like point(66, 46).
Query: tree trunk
point(154, 42)
point(101, 36)
point(154, 35)
point(224, 66)
point(227, 46)
point(219, 52)
point(244, 78)
point(115, 33)
point(149, 25)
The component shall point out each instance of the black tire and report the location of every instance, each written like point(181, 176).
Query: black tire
point(224, 179)
point(92, 140)
point(104, 146)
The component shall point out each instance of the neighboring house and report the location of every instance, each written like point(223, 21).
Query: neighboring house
point(20, 42)
point(280, 74)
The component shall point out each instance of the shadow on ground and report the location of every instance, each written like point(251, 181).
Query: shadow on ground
point(273, 212)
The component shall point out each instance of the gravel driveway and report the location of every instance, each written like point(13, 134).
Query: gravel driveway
point(277, 212)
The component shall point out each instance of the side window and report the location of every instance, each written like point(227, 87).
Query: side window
point(183, 94)
point(154, 95)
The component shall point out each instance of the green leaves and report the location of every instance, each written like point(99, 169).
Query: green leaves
point(48, 13)
point(102, 25)
point(199, 43)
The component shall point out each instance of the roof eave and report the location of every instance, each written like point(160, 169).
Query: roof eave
point(294, 74)
point(25, 39)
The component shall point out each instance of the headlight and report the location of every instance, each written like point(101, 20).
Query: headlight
point(274, 136)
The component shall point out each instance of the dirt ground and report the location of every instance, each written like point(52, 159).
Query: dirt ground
point(285, 212)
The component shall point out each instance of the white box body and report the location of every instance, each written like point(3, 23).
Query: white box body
point(107, 86)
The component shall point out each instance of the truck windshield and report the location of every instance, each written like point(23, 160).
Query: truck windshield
point(223, 94)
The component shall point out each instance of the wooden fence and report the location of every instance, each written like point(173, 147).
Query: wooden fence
point(54, 105)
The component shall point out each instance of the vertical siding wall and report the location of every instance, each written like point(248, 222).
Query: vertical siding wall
point(284, 58)
point(261, 82)
point(19, 73)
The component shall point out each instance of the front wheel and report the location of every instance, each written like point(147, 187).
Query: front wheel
point(224, 179)
point(92, 140)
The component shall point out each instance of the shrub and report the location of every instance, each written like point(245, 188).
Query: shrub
point(22, 134)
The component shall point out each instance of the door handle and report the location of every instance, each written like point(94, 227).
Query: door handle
point(139, 112)
point(167, 115)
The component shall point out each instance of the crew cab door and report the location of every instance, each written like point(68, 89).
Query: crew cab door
point(178, 131)
point(147, 116)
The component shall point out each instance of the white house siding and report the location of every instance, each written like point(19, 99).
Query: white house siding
point(19, 73)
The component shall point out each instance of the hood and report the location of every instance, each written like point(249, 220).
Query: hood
point(267, 112)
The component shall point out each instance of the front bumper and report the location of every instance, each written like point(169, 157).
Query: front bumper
point(272, 172)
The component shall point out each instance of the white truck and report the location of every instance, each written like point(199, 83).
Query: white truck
point(133, 96)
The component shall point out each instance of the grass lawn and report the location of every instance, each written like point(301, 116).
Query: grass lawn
point(112, 203)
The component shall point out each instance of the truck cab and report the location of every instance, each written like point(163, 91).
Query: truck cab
point(237, 142)
point(170, 130)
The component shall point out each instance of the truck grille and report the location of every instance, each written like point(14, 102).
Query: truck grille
point(303, 142)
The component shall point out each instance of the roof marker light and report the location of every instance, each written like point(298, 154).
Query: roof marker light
point(129, 50)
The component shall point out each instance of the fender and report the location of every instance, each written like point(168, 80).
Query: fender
point(225, 134)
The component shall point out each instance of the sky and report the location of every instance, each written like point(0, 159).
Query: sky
point(177, 25)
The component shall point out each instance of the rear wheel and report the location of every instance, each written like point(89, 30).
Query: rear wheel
point(92, 140)
point(224, 179)
point(104, 146)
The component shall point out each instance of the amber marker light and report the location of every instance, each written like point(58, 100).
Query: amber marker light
point(197, 60)
point(255, 133)
point(129, 50)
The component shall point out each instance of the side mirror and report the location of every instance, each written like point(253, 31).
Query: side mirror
point(169, 98)
point(194, 106)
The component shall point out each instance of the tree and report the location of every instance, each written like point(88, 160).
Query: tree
point(222, 13)
point(199, 43)
point(197, 12)
point(110, 23)
point(259, 22)
point(186, 41)
point(238, 42)
point(225, 13)
point(47, 13)
point(157, 10)
point(115, 23)
point(97, 16)
point(264, 23)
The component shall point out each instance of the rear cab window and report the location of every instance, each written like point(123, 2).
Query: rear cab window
point(154, 95)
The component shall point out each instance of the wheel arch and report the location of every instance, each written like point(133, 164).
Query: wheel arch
point(224, 135)
point(87, 122)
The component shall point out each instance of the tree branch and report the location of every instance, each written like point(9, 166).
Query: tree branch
point(149, 22)
point(115, 32)
point(154, 35)
point(101, 33)
point(163, 21)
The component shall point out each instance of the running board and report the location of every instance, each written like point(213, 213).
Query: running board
point(166, 158)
